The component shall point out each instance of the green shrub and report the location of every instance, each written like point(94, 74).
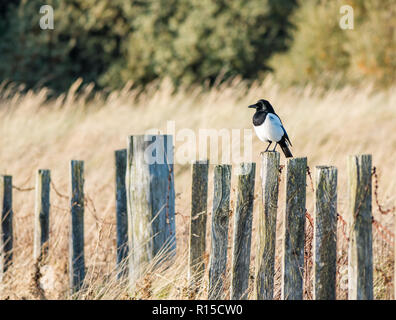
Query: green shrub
point(324, 54)
point(114, 42)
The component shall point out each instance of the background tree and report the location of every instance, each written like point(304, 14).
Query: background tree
point(324, 54)
point(110, 43)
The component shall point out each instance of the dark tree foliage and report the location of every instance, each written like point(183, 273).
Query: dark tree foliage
point(113, 42)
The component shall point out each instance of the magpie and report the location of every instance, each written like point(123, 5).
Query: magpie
point(269, 128)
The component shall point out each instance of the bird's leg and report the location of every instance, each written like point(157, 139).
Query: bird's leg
point(261, 153)
point(276, 143)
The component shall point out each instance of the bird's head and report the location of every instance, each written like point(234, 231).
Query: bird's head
point(263, 105)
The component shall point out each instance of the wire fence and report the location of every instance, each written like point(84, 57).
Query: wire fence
point(383, 241)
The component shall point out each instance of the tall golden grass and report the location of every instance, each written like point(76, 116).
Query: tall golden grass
point(326, 126)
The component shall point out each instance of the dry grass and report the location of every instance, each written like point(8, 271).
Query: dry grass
point(324, 126)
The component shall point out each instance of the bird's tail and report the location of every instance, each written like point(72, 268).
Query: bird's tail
point(286, 150)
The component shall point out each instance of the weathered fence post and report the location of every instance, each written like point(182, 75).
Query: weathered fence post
point(197, 243)
point(150, 200)
point(6, 223)
point(293, 230)
point(242, 231)
point(121, 212)
point(76, 245)
point(360, 261)
point(266, 237)
point(325, 233)
point(41, 215)
point(219, 234)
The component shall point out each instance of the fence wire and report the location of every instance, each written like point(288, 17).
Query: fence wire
point(383, 250)
point(383, 244)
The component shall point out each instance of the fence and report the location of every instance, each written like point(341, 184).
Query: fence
point(145, 217)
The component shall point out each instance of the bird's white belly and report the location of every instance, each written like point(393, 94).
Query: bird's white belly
point(269, 131)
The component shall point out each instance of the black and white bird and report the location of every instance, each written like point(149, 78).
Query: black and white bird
point(269, 127)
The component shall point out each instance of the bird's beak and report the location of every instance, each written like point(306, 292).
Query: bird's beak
point(253, 106)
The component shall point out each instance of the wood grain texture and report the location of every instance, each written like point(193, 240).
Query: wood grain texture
point(219, 231)
point(242, 231)
point(6, 223)
point(76, 244)
point(293, 230)
point(266, 236)
point(42, 215)
point(121, 212)
point(325, 233)
point(197, 240)
point(360, 284)
point(150, 200)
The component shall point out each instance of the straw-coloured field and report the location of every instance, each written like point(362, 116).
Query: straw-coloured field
point(325, 127)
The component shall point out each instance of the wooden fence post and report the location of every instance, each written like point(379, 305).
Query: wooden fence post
point(219, 234)
point(266, 237)
point(6, 223)
point(293, 230)
point(121, 212)
point(242, 231)
point(76, 245)
point(150, 200)
point(197, 243)
point(360, 255)
point(41, 215)
point(325, 233)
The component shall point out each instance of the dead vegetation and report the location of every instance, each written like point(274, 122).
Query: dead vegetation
point(35, 133)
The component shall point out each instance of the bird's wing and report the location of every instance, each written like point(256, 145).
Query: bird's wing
point(286, 136)
point(277, 120)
